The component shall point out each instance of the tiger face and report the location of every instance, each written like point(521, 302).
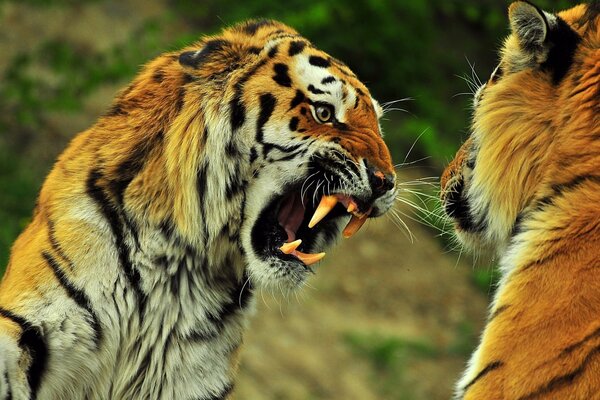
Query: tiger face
point(308, 131)
point(521, 120)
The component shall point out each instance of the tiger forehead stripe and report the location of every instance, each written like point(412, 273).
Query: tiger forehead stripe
point(282, 76)
point(296, 47)
point(319, 61)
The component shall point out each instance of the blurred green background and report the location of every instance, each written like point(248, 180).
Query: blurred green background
point(63, 60)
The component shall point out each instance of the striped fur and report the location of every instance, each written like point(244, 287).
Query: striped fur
point(135, 278)
point(527, 185)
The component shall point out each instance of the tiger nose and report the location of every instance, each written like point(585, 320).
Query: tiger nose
point(380, 182)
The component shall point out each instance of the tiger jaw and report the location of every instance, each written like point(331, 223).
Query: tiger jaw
point(292, 214)
point(290, 228)
point(293, 229)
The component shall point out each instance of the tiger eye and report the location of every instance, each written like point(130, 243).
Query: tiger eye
point(324, 113)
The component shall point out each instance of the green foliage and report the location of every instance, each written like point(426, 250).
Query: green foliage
point(56, 75)
point(465, 340)
point(19, 185)
point(486, 279)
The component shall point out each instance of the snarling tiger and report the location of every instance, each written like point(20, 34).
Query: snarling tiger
point(222, 168)
point(527, 184)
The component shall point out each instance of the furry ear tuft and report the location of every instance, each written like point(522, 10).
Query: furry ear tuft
point(529, 24)
point(193, 59)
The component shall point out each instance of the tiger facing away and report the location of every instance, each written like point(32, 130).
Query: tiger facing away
point(527, 184)
point(222, 168)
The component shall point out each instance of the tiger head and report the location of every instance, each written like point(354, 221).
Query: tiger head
point(292, 153)
point(533, 120)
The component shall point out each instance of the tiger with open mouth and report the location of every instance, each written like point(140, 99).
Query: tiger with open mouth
point(225, 167)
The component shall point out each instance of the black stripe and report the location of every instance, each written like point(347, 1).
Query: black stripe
point(193, 59)
point(237, 113)
point(562, 381)
point(294, 123)
point(158, 76)
point(250, 28)
point(297, 100)
point(34, 343)
point(542, 261)
point(574, 346)
point(235, 186)
point(56, 247)
point(239, 299)
point(254, 50)
point(562, 188)
point(116, 109)
point(272, 52)
point(253, 155)
point(199, 336)
point(591, 13)
point(180, 99)
point(267, 147)
point(489, 368)
point(131, 167)
point(237, 108)
point(267, 106)
point(296, 47)
point(498, 311)
point(201, 188)
point(9, 390)
point(327, 80)
point(563, 44)
point(574, 183)
point(281, 75)
point(315, 90)
point(291, 156)
point(116, 226)
point(231, 149)
point(76, 294)
point(319, 62)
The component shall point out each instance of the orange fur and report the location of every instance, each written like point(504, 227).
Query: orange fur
point(536, 151)
point(141, 166)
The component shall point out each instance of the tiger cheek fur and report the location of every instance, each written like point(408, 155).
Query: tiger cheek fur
point(135, 278)
point(526, 185)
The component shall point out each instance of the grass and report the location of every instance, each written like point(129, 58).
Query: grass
point(390, 356)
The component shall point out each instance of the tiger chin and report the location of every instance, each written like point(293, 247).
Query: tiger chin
point(221, 169)
point(527, 184)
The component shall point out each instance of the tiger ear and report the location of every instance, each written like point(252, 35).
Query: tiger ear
point(529, 24)
point(193, 59)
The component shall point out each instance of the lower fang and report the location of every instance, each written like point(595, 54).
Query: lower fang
point(309, 259)
point(288, 248)
point(354, 225)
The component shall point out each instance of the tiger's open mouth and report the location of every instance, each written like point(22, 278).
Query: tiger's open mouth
point(294, 228)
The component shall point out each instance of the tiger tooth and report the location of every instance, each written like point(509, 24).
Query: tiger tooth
point(325, 206)
point(309, 259)
point(288, 248)
point(354, 225)
point(351, 208)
